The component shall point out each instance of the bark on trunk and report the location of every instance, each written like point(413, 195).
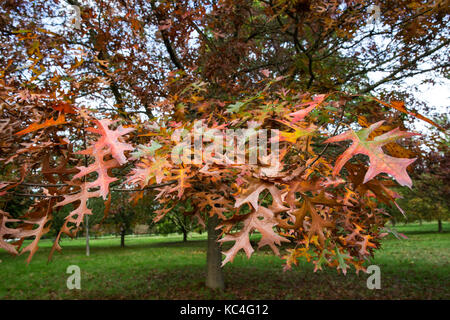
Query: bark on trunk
point(439, 225)
point(88, 248)
point(122, 239)
point(214, 274)
point(185, 229)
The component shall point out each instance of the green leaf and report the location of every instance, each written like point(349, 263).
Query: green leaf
point(143, 151)
point(341, 259)
point(235, 107)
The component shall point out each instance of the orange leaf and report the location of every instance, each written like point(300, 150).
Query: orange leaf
point(400, 106)
point(48, 123)
point(64, 107)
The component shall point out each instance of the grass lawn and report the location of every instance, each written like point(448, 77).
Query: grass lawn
point(167, 268)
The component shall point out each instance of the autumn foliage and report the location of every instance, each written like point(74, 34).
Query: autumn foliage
point(318, 198)
point(316, 203)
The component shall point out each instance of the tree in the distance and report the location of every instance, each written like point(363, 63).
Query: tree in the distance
point(122, 216)
point(179, 220)
point(429, 201)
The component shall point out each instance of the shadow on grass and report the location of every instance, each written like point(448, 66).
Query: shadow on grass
point(150, 268)
point(201, 244)
point(427, 232)
point(270, 282)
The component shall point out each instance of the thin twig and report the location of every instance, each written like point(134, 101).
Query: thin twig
point(38, 195)
point(328, 144)
point(28, 184)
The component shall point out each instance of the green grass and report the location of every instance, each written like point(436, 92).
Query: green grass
point(167, 268)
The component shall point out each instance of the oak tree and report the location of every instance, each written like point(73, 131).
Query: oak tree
point(172, 96)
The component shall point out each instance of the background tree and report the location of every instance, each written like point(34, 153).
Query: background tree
point(429, 200)
point(179, 220)
point(123, 216)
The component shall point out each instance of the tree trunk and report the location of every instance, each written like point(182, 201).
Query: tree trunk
point(122, 239)
point(439, 225)
point(88, 249)
point(214, 274)
point(185, 229)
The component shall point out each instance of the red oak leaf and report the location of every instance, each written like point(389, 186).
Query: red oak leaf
point(101, 167)
point(262, 220)
point(6, 232)
point(111, 139)
point(379, 161)
point(301, 114)
point(82, 209)
point(48, 123)
point(148, 169)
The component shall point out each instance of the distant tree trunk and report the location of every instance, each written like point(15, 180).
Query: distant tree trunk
point(393, 222)
point(88, 249)
point(214, 274)
point(122, 237)
point(185, 229)
point(439, 225)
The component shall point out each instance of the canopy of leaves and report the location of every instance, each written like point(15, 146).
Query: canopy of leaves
point(111, 106)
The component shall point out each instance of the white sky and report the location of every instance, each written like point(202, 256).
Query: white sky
point(435, 95)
